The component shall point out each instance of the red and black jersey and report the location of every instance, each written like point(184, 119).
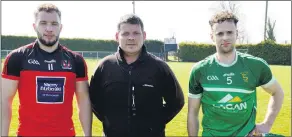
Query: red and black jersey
point(46, 87)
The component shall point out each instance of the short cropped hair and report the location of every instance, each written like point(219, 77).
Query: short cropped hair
point(130, 19)
point(47, 7)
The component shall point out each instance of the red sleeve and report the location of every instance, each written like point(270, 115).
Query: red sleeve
point(12, 66)
point(81, 69)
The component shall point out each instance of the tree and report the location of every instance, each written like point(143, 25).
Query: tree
point(270, 30)
point(233, 7)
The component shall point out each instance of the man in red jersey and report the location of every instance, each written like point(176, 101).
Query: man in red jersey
point(46, 75)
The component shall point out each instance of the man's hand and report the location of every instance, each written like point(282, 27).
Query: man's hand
point(263, 128)
point(260, 129)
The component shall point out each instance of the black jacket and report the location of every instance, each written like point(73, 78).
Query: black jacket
point(128, 99)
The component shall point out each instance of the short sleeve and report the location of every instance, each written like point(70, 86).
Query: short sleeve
point(266, 78)
point(81, 69)
point(195, 88)
point(12, 65)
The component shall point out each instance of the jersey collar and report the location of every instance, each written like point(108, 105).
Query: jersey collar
point(36, 45)
point(226, 65)
point(142, 56)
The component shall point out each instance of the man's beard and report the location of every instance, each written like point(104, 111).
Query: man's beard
point(45, 43)
point(230, 50)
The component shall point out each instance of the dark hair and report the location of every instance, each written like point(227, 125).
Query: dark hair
point(223, 16)
point(130, 19)
point(47, 7)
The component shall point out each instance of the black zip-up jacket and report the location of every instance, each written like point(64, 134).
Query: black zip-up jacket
point(128, 99)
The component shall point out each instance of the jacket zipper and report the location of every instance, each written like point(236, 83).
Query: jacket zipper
point(130, 99)
point(133, 102)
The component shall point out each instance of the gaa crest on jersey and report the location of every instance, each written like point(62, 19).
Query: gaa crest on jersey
point(66, 64)
point(50, 90)
point(212, 77)
point(244, 76)
point(33, 61)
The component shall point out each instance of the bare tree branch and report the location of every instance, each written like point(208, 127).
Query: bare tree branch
point(234, 7)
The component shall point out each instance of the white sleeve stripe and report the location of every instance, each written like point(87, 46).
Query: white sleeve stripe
point(269, 83)
point(195, 95)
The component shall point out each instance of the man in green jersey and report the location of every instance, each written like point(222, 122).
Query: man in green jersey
point(225, 84)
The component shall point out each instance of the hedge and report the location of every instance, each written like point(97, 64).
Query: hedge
point(77, 44)
point(273, 53)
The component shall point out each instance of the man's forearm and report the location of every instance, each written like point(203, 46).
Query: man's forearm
point(6, 118)
point(274, 107)
point(85, 116)
point(84, 107)
point(193, 125)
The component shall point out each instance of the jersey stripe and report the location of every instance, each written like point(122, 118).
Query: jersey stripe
point(269, 83)
point(5, 64)
point(10, 77)
point(228, 90)
point(226, 86)
point(81, 79)
point(195, 95)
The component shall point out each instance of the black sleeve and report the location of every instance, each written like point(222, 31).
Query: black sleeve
point(12, 65)
point(96, 93)
point(172, 94)
point(81, 68)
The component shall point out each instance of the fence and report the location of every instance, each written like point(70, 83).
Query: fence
point(88, 54)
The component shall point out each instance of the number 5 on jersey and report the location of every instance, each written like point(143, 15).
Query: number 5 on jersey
point(229, 80)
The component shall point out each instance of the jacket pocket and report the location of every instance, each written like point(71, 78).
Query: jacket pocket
point(145, 91)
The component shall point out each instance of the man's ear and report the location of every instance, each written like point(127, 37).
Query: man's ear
point(61, 27)
point(34, 26)
point(117, 36)
point(144, 35)
point(211, 36)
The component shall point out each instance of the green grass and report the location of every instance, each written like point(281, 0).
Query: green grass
point(178, 126)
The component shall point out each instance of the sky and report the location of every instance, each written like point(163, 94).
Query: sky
point(187, 20)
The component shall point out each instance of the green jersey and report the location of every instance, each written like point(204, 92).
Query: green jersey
point(228, 93)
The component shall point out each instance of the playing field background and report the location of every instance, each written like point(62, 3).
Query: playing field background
point(178, 126)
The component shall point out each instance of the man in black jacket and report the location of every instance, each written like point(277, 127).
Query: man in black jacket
point(128, 88)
